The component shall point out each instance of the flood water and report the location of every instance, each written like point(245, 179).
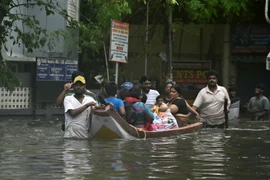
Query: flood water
point(37, 150)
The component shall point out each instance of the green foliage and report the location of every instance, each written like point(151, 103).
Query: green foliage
point(94, 27)
point(7, 77)
point(95, 19)
point(205, 11)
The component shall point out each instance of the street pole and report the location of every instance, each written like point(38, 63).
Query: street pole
point(146, 39)
point(170, 43)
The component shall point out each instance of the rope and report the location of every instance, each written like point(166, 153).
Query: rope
point(137, 131)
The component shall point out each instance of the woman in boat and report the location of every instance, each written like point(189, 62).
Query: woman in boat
point(169, 98)
point(167, 95)
point(144, 115)
point(178, 106)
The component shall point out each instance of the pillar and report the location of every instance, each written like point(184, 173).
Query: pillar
point(226, 56)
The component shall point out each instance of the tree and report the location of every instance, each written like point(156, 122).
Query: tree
point(35, 38)
point(94, 26)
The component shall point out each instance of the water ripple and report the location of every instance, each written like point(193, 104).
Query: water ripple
point(37, 150)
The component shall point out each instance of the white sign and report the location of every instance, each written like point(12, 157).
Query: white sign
point(119, 41)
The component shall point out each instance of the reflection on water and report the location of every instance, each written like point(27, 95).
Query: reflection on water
point(37, 150)
point(76, 157)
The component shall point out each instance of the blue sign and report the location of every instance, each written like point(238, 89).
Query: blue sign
point(250, 38)
point(55, 69)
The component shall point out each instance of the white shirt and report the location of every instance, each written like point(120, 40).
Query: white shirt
point(151, 98)
point(211, 105)
point(77, 127)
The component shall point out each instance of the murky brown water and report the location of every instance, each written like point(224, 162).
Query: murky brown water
point(37, 150)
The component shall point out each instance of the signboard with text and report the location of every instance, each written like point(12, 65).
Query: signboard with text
point(119, 41)
point(191, 75)
point(250, 38)
point(55, 69)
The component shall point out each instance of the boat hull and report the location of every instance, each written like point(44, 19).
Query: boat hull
point(106, 123)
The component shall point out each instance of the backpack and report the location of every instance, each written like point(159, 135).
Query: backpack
point(131, 116)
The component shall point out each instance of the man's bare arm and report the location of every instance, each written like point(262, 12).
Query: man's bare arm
point(75, 112)
point(61, 97)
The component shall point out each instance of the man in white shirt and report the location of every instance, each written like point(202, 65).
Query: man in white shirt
point(77, 111)
point(151, 94)
point(210, 102)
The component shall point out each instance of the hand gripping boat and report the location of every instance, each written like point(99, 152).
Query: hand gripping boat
point(107, 123)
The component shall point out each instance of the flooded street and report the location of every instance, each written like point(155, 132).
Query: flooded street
point(37, 150)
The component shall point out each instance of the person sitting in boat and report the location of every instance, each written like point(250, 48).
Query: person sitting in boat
point(151, 94)
point(123, 91)
point(77, 111)
point(168, 99)
point(167, 95)
point(160, 101)
point(163, 120)
point(178, 106)
point(144, 115)
point(110, 93)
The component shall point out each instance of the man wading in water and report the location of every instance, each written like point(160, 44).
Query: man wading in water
point(258, 105)
point(77, 111)
point(210, 102)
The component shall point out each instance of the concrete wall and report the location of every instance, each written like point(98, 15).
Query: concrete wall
point(65, 49)
point(198, 42)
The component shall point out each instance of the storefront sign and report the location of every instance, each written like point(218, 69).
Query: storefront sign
point(55, 69)
point(191, 75)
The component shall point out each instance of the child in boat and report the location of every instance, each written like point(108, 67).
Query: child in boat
point(160, 101)
point(163, 119)
point(110, 93)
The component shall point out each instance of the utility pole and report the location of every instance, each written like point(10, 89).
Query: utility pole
point(170, 43)
point(146, 38)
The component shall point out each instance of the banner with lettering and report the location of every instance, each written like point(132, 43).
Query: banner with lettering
point(119, 41)
point(191, 75)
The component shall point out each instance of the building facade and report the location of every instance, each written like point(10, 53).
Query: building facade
point(43, 72)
